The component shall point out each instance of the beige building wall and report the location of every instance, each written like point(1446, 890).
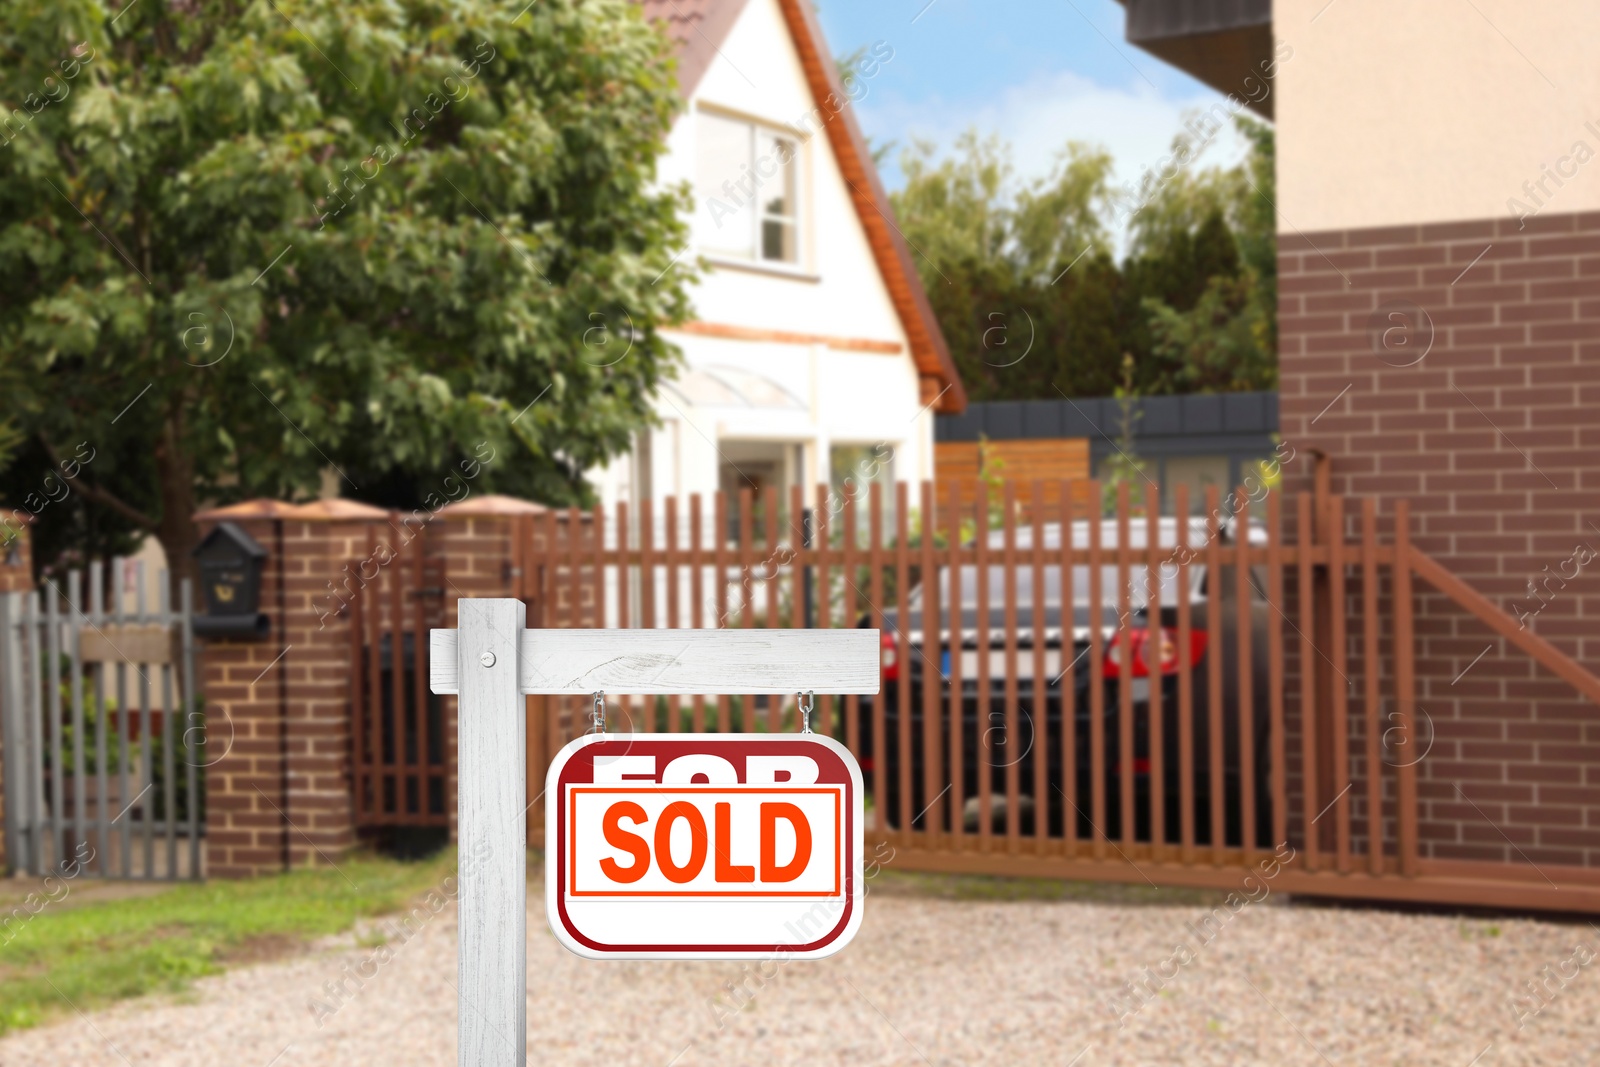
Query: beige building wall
point(1424, 111)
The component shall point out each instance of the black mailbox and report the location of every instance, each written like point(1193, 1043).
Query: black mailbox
point(230, 578)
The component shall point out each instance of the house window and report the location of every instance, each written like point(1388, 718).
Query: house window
point(747, 186)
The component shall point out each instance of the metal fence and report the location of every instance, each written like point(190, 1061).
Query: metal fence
point(1074, 683)
point(104, 740)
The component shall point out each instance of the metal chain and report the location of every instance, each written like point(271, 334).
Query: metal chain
point(806, 702)
point(598, 715)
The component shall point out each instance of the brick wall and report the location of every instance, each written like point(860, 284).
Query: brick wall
point(1458, 366)
point(278, 791)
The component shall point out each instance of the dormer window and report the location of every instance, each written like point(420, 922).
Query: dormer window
point(747, 190)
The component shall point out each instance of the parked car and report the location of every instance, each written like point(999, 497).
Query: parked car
point(1154, 657)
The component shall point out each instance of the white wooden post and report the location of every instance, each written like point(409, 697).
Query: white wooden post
point(493, 903)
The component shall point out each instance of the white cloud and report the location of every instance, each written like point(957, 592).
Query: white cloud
point(1040, 116)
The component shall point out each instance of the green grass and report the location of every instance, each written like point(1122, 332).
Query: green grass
point(99, 952)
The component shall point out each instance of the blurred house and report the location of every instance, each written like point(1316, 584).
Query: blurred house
point(813, 349)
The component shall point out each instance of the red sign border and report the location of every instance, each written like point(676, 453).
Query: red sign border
point(828, 943)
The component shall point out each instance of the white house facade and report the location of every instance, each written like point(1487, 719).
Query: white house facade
point(812, 355)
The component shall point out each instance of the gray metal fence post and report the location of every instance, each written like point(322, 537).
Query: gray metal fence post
point(493, 902)
point(12, 739)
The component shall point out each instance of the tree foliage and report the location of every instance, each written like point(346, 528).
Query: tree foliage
point(245, 243)
point(1031, 297)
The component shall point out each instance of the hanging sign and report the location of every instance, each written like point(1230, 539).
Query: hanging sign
point(703, 846)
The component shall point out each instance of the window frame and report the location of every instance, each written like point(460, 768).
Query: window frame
point(797, 218)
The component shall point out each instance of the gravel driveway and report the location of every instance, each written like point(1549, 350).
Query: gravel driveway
point(929, 980)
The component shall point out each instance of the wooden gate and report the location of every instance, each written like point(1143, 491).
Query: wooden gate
point(401, 750)
point(1074, 684)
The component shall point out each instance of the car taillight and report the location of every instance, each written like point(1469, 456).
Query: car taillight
point(1142, 646)
point(891, 656)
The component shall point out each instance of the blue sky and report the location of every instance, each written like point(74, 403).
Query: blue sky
point(1037, 73)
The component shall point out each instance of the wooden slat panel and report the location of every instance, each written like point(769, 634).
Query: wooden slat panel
point(932, 681)
point(1020, 460)
point(697, 596)
point(1275, 672)
point(720, 559)
point(1243, 592)
point(1039, 702)
point(1308, 688)
point(1158, 755)
point(1125, 674)
point(958, 781)
point(1217, 649)
point(984, 756)
point(1370, 668)
point(1339, 684)
point(770, 550)
point(1186, 753)
point(822, 533)
point(880, 744)
point(902, 583)
point(1405, 686)
point(852, 602)
point(1069, 681)
point(1013, 726)
point(747, 611)
point(1097, 683)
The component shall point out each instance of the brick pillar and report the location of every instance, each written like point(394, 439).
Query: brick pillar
point(478, 538)
point(278, 791)
point(16, 575)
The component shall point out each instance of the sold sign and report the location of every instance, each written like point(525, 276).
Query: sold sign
point(704, 846)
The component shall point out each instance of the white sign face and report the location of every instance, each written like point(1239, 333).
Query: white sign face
point(703, 846)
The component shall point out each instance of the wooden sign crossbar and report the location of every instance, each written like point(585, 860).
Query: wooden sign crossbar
point(490, 662)
point(624, 662)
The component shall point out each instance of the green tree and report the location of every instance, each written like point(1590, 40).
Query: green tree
point(246, 243)
point(1014, 268)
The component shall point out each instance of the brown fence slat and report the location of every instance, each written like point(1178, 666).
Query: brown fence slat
point(1370, 670)
point(1097, 683)
point(880, 745)
point(1405, 686)
point(719, 542)
point(1124, 641)
point(573, 562)
point(821, 538)
point(902, 583)
point(1312, 799)
point(1039, 702)
point(1275, 672)
point(1069, 682)
point(984, 756)
point(958, 781)
point(1216, 650)
point(1186, 754)
point(772, 587)
point(931, 678)
point(747, 584)
point(1013, 725)
point(375, 687)
point(419, 678)
point(851, 594)
point(671, 559)
point(1157, 728)
point(407, 781)
point(1245, 634)
point(1339, 684)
